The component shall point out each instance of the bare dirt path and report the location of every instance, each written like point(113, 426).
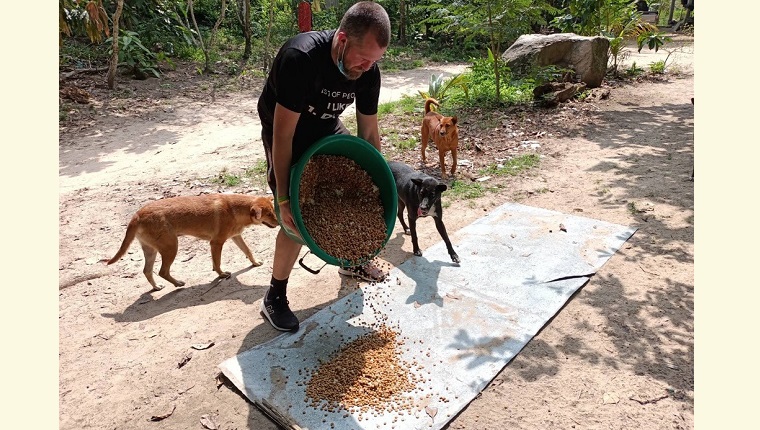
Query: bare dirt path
point(619, 355)
point(188, 137)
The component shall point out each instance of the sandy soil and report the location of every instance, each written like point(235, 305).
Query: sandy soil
point(619, 355)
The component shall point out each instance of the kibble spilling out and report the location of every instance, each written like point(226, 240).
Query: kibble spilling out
point(367, 373)
point(341, 208)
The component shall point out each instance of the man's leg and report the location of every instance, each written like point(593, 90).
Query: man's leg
point(275, 307)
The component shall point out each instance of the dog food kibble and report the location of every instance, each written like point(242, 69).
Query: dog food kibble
point(341, 208)
point(367, 373)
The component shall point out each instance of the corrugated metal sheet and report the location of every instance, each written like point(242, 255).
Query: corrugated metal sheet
point(465, 322)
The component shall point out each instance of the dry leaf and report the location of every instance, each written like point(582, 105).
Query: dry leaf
point(562, 227)
point(208, 422)
point(202, 346)
point(610, 398)
point(184, 360)
point(164, 416)
point(431, 411)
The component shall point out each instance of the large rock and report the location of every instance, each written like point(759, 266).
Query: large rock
point(586, 55)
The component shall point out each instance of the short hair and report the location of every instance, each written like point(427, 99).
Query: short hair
point(364, 17)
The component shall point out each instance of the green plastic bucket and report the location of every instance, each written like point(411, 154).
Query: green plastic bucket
point(366, 156)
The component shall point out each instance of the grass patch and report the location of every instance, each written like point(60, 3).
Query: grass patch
point(400, 142)
point(260, 168)
point(405, 105)
point(513, 166)
point(226, 178)
point(466, 190)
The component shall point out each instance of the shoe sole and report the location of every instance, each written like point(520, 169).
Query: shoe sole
point(343, 271)
point(268, 318)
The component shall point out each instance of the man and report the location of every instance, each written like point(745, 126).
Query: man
point(314, 77)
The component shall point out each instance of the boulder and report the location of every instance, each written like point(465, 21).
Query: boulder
point(586, 55)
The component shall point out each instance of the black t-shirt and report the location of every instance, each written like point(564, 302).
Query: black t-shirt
point(304, 79)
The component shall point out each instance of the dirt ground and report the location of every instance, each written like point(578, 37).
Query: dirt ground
point(619, 355)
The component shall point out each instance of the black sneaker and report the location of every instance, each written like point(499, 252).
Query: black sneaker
point(277, 312)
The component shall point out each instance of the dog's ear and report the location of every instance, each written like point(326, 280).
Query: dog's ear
point(454, 120)
point(441, 187)
point(256, 212)
point(417, 181)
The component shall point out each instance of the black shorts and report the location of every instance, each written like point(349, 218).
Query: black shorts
point(302, 140)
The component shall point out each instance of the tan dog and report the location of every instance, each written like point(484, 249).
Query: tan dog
point(212, 217)
point(445, 134)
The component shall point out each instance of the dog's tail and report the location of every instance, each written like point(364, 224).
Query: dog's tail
point(128, 238)
point(430, 101)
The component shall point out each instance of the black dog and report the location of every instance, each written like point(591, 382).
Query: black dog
point(421, 195)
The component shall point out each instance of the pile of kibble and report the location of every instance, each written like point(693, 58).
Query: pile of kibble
point(366, 374)
point(341, 208)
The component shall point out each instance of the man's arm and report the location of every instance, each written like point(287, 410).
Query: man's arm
point(285, 121)
point(368, 128)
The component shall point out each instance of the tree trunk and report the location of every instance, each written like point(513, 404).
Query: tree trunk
point(402, 22)
point(267, 56)
point(496, 55)
point(216, 24)
point(114, 64)
point(186, 22)
point(206, 68)
point(247, 29)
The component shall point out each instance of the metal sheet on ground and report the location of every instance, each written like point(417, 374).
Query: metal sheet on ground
point(464, 322)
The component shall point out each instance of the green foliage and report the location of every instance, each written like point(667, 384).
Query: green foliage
point(326, 18)
point(82, 18)
point(513, 166)
point(79, 54)
point(480, 21)
point(657, 67)
point(438, 86)
point(634, 70)
point(159, 23)
point(481, 87)
point(653, 40)
point(552, 73)
point(135, 55)
point(400, 58)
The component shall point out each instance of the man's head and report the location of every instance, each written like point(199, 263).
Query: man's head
point(362, 38)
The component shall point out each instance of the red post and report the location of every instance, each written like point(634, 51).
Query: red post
point(304, 16)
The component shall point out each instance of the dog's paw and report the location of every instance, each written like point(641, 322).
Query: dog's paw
point(407, 231)
point(225, 275)
point(455, 258)
point(157, 288)
point(418, 253)
point(255, 263)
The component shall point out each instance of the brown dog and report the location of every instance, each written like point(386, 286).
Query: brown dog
point(212, 217)
point(445, 134)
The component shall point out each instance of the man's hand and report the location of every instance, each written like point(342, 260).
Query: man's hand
point(287, 218)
